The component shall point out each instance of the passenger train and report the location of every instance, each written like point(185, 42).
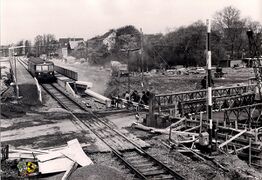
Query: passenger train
point(41, 69)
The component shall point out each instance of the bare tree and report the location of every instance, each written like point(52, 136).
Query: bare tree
point(45, 44)
point(19, 51)
point(27, 47)
point(231, 27)
point(39, 44)
point(256, 27)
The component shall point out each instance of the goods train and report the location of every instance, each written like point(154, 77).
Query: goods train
point(41, 69)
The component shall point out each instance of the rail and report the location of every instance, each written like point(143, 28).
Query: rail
point(63, 99)
point(138, 152)
point(91, 121)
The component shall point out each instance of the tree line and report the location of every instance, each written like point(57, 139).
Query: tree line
point(186, 45)
point(43, 44)
point(183, 46)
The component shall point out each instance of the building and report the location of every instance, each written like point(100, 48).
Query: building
point(110, 40)
point(4, 51)
point(76, 45)
point(232, 63)
point(245, 62)
point(67, 45)
point(63, 42)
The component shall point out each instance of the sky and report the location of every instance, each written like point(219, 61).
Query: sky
point(25, 19)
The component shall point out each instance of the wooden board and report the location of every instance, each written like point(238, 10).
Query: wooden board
point(76, 153)
point(55, 165)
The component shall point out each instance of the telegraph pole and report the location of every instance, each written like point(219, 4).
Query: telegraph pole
point(128, 69)
point(142, 60)
point(13, 60)
point(209, 89)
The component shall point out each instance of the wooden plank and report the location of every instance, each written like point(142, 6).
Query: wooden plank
point(55, 165)
point(240, 149)
point(33, 150)
point(178, 122)
point(23, 151)
point(240, 140)
point(185, 133)
point(247, 133)
point(76, 153)
point(50, 156)
point(231, 139)
point(20, 155)
point(191, 129)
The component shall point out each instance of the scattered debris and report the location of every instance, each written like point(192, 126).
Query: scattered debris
point(27, 168)
point(34, 162)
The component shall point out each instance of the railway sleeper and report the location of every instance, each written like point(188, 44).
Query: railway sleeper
point(163, 177)
point(147, 169)
point(131, 158)
point(149, 164)
point(154, 173)
point(130, 154)
point(139, 161)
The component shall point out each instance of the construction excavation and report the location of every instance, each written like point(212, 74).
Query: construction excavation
point(123, 105)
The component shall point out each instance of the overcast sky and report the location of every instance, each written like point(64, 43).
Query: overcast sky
point(24, 19)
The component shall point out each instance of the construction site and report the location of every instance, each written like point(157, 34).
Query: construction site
point(72, 110)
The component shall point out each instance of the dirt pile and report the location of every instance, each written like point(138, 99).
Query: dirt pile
point(158, 85)
point(3, 86)
point(9, 110)
point(9, 170)
point(8, 93)
point(238, 169)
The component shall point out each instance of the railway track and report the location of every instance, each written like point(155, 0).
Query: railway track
point(23, 62)
point(142, 164)
point(63, 99)
point(136, 159)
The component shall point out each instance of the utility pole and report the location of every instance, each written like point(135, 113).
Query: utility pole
point(13, 60)
point(128, 64)
point(142, 60)
point(16, 83)
point(128, 69)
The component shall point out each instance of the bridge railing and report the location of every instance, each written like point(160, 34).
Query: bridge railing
point(163, 100)
point(66, 72)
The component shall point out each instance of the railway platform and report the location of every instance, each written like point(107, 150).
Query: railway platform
point(27, 85)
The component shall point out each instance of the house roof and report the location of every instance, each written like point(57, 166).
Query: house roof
point(64, 42)
point(76, 44)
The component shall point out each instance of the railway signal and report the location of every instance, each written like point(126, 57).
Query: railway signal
point(209, 85)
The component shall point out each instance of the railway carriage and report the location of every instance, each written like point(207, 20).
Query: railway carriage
point(41, 69)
